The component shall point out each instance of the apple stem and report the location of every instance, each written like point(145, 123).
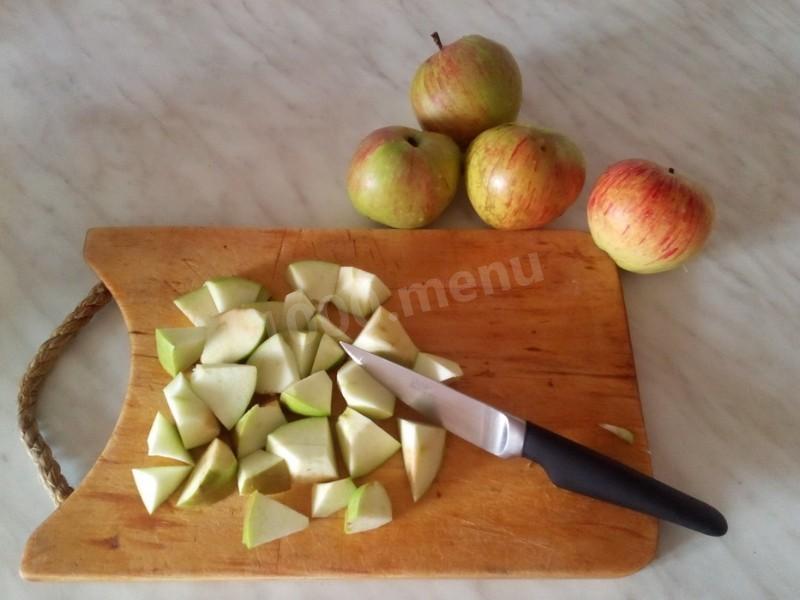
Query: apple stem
point(671, 171)
point(437, 39)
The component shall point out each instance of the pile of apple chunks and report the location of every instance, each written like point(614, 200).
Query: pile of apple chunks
point(242, 344)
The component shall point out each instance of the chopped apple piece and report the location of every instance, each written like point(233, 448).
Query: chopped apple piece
point(297, 311)
point(316, 278)
point(626, 435)
point(364, 445)
point(322, 323)
point(304, 345)
point(164, 440)
point(273, 313)
point(179, 347)
point(423, 449)
point(234, 335)
point(156, 484)
point(226, 389)
point(262, 306)
point(276, 364)
point(307, 447)
point(213, 478)
point(369, 508)
point(197, 305)
point(263, 472)
point(266, 520)
point(196, 424)
point(310, 396)
point(436, 367)
point(328, 498)
point(363, 392)
point(232, 292)
point(251, 431)
point(359, 292)
point(384, 335)
point(329, 354)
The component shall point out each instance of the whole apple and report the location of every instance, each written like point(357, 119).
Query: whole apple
point(521, 177)
point(648, 218)
point(467, 87)
point(403, 177)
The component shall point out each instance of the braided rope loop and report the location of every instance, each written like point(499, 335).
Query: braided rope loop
point(39, 368)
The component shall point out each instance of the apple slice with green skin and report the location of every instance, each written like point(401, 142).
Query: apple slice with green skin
point(359, 292)
point(198, 306)
point(423, 449)
point(385, 336)
point(316, 278)
point(213, 477)
point(310, 396)
point(364, 445)
point(251, 431)
point(164, 440)
point(322, 323)
point(234, 335)
point(369, 508)
point(276, 364)
point(266, 520)
point(156, 484)
point(232, 292)
point(436, 367)
point(329, 354)
point(179, 348)
point(307, 447)
point(273, 313)
point(263, 472)
point(195, 422)
point(328, 498)
point(363, 392)
point(225, 389)
point(297, 311)
point(304, 345)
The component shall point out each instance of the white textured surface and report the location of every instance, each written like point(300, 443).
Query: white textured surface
point(245, 113)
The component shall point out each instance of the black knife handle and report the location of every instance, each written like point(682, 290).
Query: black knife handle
point(577, 468)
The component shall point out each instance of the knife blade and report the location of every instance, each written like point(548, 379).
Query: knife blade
point(569, 465)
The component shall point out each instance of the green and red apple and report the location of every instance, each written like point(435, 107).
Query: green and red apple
point(467, 87)
point(403, 177)
point(648, 218)
point(521, 177)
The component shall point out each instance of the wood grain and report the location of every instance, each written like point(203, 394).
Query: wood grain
point(555, 351)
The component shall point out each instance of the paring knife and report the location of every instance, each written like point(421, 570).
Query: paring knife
point(569, 465)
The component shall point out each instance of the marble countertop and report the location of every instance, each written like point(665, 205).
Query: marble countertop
point(246, 113)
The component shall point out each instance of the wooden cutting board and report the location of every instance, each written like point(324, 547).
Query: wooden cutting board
point(536, 319)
